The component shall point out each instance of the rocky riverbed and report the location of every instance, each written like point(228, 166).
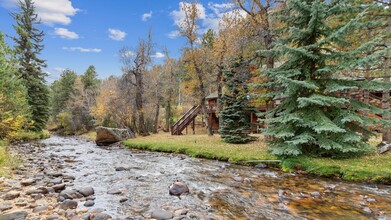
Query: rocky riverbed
point(71, 178)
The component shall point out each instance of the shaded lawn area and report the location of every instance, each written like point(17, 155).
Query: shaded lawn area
point(370, 167)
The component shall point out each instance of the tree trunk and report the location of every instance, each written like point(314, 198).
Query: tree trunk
point(202, 100)
point(139, 104)
point(168, 115)
point(156, 120)
point(220, 93)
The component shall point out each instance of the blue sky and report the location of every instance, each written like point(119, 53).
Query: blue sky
point(80, 33)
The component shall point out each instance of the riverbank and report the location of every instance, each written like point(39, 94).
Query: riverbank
point(371, 167)
point(9, 161)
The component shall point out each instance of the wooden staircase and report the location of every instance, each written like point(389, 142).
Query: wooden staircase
point(185, 120)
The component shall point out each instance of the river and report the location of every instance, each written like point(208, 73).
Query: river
point(218, 190)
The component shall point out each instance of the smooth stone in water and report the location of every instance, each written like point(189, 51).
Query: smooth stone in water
point(114, 192)
point(261, 166)
point(178, 188)
point(161, 214)
point(123, 199)
point(89, 203)
point(88, 191)
point(121, 168)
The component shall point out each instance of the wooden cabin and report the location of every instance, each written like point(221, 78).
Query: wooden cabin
point(211, 101)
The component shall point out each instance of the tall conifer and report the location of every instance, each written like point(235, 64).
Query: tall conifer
point(236, 112)
point(314, 116)
point(28, 45)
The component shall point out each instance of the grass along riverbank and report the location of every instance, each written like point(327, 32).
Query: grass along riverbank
point(370, 167)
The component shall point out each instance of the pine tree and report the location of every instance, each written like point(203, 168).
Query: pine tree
point(313, 117)
point(28, 46)
point(89, 79)
point(235, 114)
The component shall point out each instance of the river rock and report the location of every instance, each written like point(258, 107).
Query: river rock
point(121, 168)
point(68, 204)
point(178, 188)
point(315, 194)
point(27, 182)
point(261, 166)
point(56, 181)
point(101, 216)
point(70, 194)
point(40, 209)
point(88, 191)
point(11, 195)
point(161, 214)
point(58, 187)
point(53, 217)
point(238, 179)
point(123, 199)
point(106, 136)
point(114, 192)
point(5, 206)
point(89, 203)
point(15, 215)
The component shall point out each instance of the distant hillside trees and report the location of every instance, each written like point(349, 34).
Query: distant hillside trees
point(73, 98)
point(28, 46)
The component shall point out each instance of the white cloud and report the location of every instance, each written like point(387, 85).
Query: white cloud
point(116, 34)
point(173, 34)
point(83, 50)
point(59, 69)
point(128, 53)
point(179, 16)
point(49, 11)
point(146, 16)
point(210, 17)
point(65, 33)
point(158, 55)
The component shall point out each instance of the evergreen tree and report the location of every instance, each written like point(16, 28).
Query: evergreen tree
point(235, 114)
point(14, 110)
point(28, 46)
point(90, 79)
point(62, 90)
point(313, 116)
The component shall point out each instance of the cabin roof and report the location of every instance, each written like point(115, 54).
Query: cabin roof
point(212, 96)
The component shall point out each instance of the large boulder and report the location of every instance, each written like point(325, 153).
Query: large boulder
point(106, 136)
point(383, 147)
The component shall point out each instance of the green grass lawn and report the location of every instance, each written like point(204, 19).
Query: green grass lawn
point(370, 167)
point(202, 146)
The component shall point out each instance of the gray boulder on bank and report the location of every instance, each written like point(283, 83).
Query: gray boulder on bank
point(383, 147)
point(106, 136)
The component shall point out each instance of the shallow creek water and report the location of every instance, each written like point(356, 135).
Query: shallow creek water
point(218, 190)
